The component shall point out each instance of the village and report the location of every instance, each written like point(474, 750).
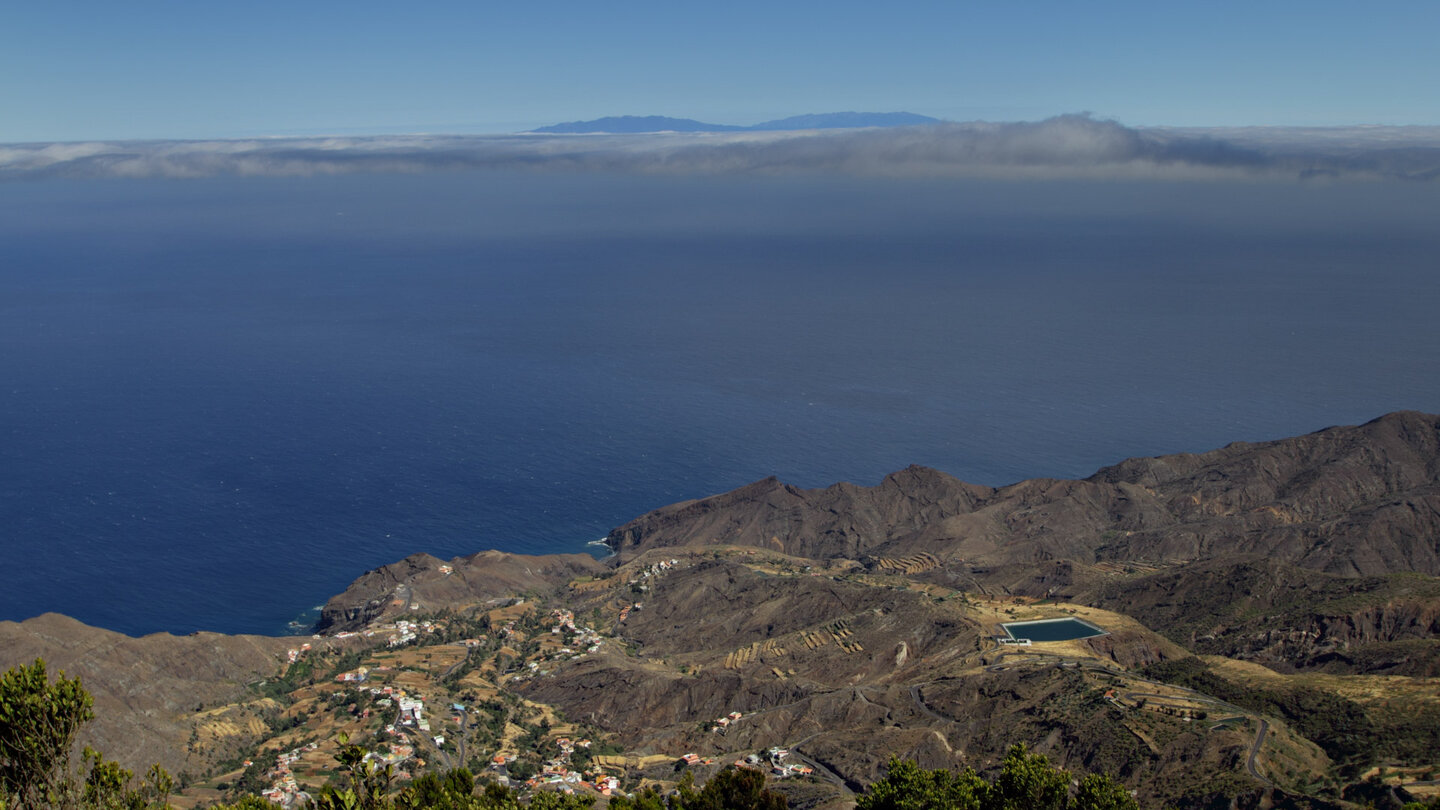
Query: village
point(419, 697)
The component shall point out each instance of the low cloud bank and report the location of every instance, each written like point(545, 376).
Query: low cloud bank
point(1065, 146)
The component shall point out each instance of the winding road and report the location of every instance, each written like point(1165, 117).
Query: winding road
point(1255, 752)
point(925, 708)
point(1202, 698)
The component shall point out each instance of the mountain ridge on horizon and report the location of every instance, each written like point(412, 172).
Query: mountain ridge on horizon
point(637, 124)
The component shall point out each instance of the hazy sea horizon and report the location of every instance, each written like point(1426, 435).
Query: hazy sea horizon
point(222, 400)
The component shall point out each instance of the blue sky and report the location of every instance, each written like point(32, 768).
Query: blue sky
point(106, 70)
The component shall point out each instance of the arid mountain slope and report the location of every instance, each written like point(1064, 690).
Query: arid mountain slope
point(151, 693)
point(847, 669)
point(1353, 501)
point(842, 520)
point(421, 582)
point(1287, 617)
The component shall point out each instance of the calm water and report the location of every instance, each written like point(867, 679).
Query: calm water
point(222, 400)
point(1053, 630)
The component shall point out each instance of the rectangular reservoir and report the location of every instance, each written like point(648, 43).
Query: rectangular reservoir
point(1052, 630)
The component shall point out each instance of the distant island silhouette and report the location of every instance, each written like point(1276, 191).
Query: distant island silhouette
point(629, 124)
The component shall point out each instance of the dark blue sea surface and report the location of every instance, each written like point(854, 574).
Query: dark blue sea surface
point(222, 400)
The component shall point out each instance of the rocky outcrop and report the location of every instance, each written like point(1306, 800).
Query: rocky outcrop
point(422, 582)
point(1395, 638)
point(1133, 649)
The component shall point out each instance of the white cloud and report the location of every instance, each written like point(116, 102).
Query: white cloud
point(1066, 146)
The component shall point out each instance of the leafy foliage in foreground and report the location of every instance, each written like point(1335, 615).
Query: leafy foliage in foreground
point(367, 788)
point(1026, 782)
point(38, 723)
point(731, 789)
point(455, 790)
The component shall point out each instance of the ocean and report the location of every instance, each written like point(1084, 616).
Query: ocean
point(221, 400)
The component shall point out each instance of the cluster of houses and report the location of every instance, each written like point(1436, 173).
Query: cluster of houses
point(292, 655)
point(585, 637)
point(412, 712)
point(402, 631)
point(606, 784)
point(584, 640)
point(723, 723)
point(406, 631)
point(652, 570)
point(399, 752)
point(781, 769)
point(567, 747)
point(638, 582)
point(283, 789)
point(774, 761)
point(411, 709)
point(357, 675)
point(556, 774)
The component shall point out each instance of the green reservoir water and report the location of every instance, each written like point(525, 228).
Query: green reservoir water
point(1052, 630)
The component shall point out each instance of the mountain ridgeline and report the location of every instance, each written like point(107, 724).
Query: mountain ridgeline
point(1314, 551)
point(1345, 501)
point(635, 124)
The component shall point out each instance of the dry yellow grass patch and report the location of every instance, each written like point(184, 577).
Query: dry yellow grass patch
point(1360, 688)
point(632, 761)
point(509, 613)
point(262, 704)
